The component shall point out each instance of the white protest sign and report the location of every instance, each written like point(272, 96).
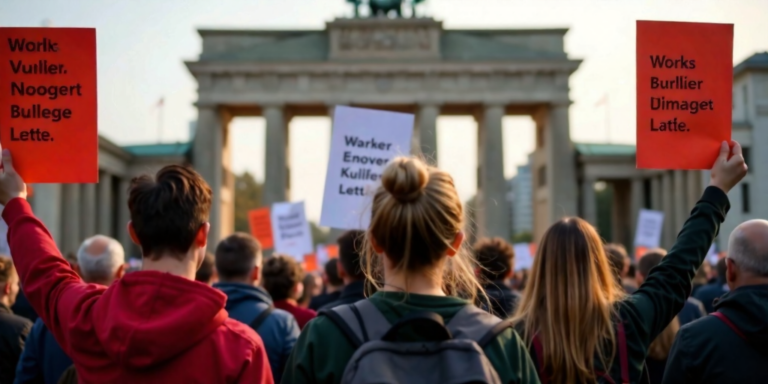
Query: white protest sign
point(322, 254)
point(523, 257)
point(649, 225)
point(712, 256)
point(362, 144)
point(290, 230)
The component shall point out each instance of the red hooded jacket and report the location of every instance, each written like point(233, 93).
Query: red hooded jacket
point(148, 327)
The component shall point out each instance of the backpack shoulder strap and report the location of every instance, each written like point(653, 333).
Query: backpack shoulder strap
point(256, 323)
point(360, 322)
point(539, 351)
point(475, 324)
point(623, 352)
point(729, 323)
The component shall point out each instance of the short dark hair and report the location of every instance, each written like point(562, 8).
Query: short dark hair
point(237, 255)
point(205, 272)
point(280, 275)
point(350, 248)
point(7, 270)
point(649, 260)
point(617, 256)
point(169, 210)
point(332, 272)
point(495, 256)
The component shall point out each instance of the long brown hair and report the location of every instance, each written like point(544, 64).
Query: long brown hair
point(416, 215)
point(659, 349)
point(569, 302)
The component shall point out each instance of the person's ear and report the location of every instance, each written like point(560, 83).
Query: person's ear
point(456, 244)
point(132, 232)
point(201, 238)
point(510, 273)
point(299, 290)
point(255, 274)
point(120, 271)
point(6, 288)
point(376, 247)
point(731, 270)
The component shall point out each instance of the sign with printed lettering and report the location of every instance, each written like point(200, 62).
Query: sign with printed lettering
point(684, 93)
point(362, 144)
point(290, 229)
point(261, 226)
point(48, 103)
point(649, 225)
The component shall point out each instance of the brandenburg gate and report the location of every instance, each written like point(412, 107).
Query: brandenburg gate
point(410, 65)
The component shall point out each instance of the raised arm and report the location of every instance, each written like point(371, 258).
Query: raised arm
point(667, 286)
point(55, 291)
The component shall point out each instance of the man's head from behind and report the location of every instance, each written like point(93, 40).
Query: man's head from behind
point(101, 260)
point(496, 258)
point(649, 260)
point(747, 262)
point(9, 281)
point(207, 272)
point(169, 219)
point(350, 248)
point(283, 277)
point(238, 259)
point(332, 278)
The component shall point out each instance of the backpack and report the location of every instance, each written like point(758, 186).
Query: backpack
point(451, 353)
point(730, 324)
point(603, 377)
point(256, 323)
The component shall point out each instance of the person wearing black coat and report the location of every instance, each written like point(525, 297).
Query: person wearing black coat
point(13, 329)
point(496, 259)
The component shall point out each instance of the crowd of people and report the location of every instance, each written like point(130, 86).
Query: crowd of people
point(406, 301)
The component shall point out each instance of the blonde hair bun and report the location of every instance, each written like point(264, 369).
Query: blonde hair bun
point(405, 179)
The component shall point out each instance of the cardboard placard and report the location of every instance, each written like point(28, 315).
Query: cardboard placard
point(363, 143)
point(684, 93)
point(310, 263)
point(290, 230)
point(649, 226)
point(261, 226)
point(712, 256)
point(48, 103)
point(326, 252)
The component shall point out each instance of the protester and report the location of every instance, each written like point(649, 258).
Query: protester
point(658, 353)
point(414, 247)
point(239, 261)
point(692, 309)
point(731, 346)
point(283, 279)
point(313, 287)
point(100, 260)
point(13, 329)
point(701, 278)
point(22, 307)
point(152, 326)
point(332, 283)
point(579, 322)
point(714, 290)
point(497, 263)
point(620, 263)
point(349, 269)
point(207, 272)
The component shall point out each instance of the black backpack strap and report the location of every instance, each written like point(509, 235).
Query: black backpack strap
point(360, 322)
point(256, 323)
point(475, 324)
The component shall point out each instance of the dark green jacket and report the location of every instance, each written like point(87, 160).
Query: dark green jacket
point(649, 310)
point(709, 351)
point(322, 352)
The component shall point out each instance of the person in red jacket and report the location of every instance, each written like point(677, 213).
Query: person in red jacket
point(157, 325)
point(283, 277)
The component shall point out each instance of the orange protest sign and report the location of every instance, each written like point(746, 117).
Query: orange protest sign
point(310, 262)
point(640, 251)
point(684, 86)
point(48, 103)
point(333, 251)
point(261, 226)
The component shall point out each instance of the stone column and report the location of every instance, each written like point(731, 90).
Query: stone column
point(561, 168)
point(88, 210)
point(106, 206)
point(680, 202)
point(492, 207)
point(207, 159)
point(276, 162)
point(656, 193)
point(47, 205)
point(668, 230)
point(427, 131)
point(589, 204)
point(637, 203)
point(123, 215)
point(71, 218)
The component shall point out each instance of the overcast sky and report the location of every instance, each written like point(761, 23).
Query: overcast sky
point(142, 45)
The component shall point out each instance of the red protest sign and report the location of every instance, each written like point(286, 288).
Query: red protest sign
point(48, 103)
point(684, 86)
point(310, 262)
point(261, 226)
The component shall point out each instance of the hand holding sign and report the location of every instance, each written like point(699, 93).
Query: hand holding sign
point(11, 184)
point(729, 168)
